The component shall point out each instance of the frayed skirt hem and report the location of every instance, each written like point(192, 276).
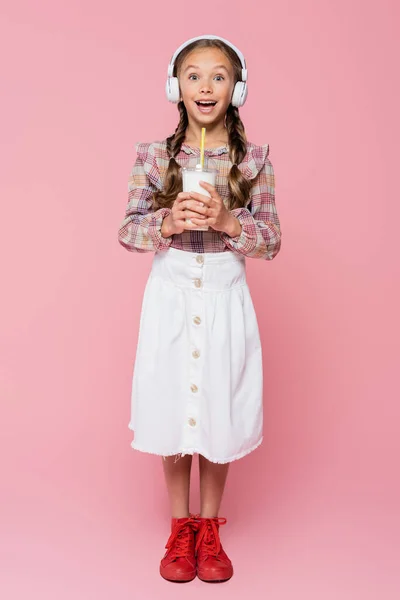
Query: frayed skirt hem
point(191, 451)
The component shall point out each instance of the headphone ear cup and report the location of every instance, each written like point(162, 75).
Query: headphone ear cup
point(239, 94)
point(172, 90)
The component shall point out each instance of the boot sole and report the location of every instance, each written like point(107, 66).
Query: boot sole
point(214, 580)
point(178, 580)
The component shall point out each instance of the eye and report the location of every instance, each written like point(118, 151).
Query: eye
point(221, 78)
point(192, 75)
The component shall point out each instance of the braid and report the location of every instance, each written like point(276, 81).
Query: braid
point(239, 186)
point(173, 175)
point(174, 141)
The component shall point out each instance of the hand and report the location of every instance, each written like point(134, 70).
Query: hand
point(215, 212)
point(184, 207)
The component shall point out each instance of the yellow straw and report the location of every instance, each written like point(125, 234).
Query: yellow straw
point(203, 137)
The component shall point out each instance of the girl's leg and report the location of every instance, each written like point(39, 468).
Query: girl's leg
point(212, 564)
point(212, 483)
point(177, 477)
point(179, 561)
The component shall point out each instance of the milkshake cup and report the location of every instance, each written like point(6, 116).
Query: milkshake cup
point(192, 175)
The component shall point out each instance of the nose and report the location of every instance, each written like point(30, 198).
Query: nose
point(206, 87)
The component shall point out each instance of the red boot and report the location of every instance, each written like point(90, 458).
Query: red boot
point(179, 562)
point(213, 564)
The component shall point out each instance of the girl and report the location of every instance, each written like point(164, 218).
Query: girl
point(197, 383)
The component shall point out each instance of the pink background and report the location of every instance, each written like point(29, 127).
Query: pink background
point(313, 513)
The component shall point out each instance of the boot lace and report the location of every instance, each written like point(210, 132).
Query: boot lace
point(179, 541)
point(209, 536)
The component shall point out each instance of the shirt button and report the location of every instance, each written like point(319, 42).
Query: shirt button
point(200, 259)
point(195, 354)
point(196, 320)
point(192, 422)
point(194, 388)
point(197, 283)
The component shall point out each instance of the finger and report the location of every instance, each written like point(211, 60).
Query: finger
point(201, 198)
point(210, 188)
point(181, 215)
point(199, 221)
point(189, 214)
point(190, 204)
point(195, 206)
point(182, 196)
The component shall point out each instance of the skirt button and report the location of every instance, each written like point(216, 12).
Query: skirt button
point(197, 283)
point(200, 259)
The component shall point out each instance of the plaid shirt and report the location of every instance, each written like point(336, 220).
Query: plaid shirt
point(140, 231)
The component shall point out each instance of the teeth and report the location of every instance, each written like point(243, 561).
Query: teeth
point(206, 103)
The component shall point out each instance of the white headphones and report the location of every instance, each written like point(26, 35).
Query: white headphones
point(240, 91)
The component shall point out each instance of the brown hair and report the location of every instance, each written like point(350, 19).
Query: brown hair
point(239, 186)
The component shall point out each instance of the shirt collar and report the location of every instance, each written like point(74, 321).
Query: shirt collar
point(208, 151)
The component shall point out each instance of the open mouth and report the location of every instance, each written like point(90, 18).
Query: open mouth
point(205, 106)
point(205, 103)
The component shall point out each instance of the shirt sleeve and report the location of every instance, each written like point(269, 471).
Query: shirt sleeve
point(140, 231)
point(261, 233)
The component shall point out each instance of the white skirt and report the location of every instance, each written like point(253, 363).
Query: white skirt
point(198, 379)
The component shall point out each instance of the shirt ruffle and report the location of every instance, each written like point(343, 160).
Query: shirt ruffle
point(250, 166)
point(254, 160)
point(146, 152)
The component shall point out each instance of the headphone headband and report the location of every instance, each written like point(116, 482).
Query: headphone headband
point(207, 37)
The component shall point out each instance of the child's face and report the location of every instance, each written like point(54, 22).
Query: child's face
point(206, 74)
